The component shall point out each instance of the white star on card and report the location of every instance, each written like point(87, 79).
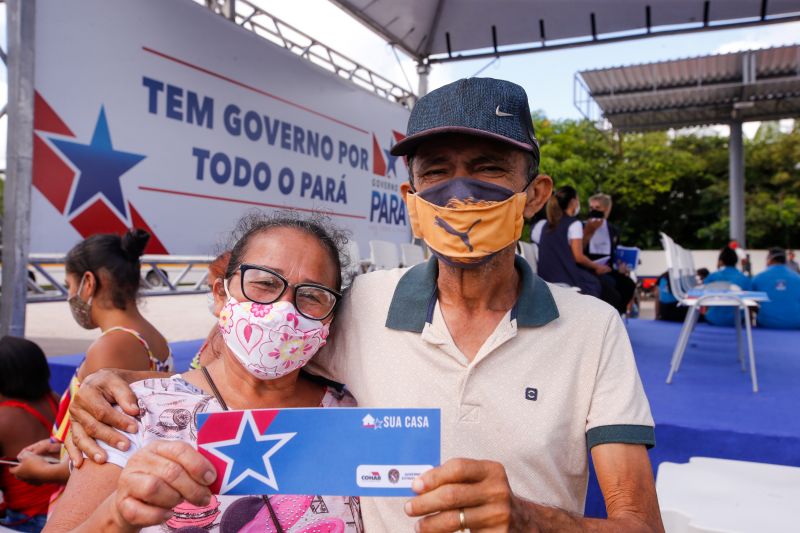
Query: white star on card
point(280, 440)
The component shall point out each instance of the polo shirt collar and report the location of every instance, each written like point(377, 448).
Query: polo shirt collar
point(415, 293)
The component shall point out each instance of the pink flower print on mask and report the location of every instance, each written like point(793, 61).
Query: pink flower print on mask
point(260, 310)
point(292, 318)
point(292, 344)
point(226, 318)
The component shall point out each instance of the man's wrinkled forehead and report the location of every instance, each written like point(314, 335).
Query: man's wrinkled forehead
point(445, 149)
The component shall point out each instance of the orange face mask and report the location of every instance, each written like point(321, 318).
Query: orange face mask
point(465, 221)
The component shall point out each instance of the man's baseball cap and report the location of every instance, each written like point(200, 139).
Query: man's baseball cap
point(485, 107)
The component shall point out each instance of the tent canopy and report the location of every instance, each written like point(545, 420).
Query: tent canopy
point(448, 30)
point(715, 89)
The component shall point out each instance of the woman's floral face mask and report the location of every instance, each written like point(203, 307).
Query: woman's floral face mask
point(270, 340)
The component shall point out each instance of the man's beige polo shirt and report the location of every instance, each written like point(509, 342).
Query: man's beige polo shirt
point(555, 378)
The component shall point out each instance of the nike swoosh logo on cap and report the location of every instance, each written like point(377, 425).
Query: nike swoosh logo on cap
point(501, 113)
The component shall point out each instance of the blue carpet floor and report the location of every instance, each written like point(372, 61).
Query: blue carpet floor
point(708, 410)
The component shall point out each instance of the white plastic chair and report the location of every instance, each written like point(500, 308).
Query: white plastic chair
point(412, 254)
point(383, 255)
point(708, 494)
point(682, 279)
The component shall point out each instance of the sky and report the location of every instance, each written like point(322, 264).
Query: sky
point(547, 77)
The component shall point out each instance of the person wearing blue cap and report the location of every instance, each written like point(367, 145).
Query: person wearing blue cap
point(782, 285)
point(727, 273)
point(530, 378)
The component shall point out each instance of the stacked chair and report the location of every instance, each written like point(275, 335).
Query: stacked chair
point(684, 286)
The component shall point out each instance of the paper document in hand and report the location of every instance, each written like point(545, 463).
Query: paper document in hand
point(331, 451)
point(602, 260)
point(628, 256)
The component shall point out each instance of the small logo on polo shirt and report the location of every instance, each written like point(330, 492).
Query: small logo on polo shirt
point(531, 394)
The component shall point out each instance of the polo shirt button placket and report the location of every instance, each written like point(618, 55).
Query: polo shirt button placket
point(468, 413)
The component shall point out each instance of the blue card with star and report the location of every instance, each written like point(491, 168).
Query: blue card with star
point(326, 451)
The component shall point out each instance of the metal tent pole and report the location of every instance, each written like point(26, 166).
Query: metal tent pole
point(424, 70)
point(17, 194)
point(736, 183)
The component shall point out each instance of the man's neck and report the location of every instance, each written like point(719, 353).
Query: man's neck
point(493, 286)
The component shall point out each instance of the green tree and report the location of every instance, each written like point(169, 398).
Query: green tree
point(772, 170)
point(678, 183)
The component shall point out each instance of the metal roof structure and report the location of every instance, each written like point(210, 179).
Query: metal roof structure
point(437, 31)
point(251, 17)
point(742, 86)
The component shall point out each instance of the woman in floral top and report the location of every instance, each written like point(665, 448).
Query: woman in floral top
point(281, 289)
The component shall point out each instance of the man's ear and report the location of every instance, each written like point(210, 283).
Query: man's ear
point(405, 188)
point(539, 191)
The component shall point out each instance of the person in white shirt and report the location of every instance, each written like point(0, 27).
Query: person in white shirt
point(600, 240)
point(561, 257)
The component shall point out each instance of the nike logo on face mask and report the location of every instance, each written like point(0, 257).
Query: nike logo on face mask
point(502, 113)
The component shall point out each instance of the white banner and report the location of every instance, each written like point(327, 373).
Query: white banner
point(161, 115)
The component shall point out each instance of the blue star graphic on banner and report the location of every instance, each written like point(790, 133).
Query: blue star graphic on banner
point(247, 454)
point(391, 160)
point(100, 167)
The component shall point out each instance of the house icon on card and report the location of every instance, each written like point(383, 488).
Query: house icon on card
point(368, 421)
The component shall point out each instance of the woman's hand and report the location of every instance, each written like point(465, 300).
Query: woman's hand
point(36, 469)
point(602, 269)
point(93, 416)
point(44, 447)
point(156, 479)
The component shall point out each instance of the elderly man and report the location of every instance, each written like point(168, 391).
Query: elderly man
point(529, 377)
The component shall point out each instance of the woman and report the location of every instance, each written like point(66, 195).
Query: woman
point(27, 410)
point(102, 277)
point(560, 241)
point(211, 348)
point(281, 289)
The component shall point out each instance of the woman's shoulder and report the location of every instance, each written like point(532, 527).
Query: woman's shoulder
point(115, 350)
point(10, 416)
point(338, 397)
